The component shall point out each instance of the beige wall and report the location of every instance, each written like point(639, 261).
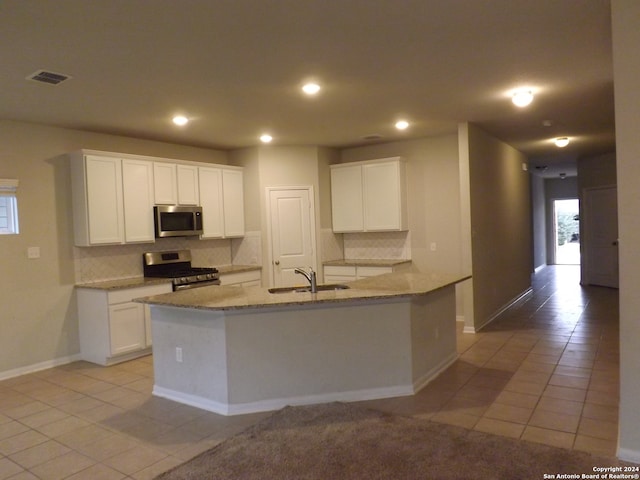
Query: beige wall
point(38, 320)
point(593, 172)
point(501, 239)
point(279, 166)
point(626, 69)
point(248, 159)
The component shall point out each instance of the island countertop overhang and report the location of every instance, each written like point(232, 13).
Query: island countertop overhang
point(389, 286)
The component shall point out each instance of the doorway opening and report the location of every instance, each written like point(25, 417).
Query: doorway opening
point(566, 223)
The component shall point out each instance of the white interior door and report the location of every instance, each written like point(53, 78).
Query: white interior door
point(601, 232)
point(292, 234)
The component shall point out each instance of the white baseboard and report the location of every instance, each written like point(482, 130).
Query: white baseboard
point(16, 372)
point(468, 329)
point(502, 309)
point(278, 403)
point(628, 455)
point(539, 268)
point(432, 374)
point(460, 318)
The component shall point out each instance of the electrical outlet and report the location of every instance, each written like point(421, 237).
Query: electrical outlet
point(434, 246)
point(33, 252)
point(178, 354)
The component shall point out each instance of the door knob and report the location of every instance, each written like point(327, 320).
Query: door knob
point(277, 262)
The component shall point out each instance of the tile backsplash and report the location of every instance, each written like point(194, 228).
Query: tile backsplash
point(377, 245)
point(112, 262)
point(247, 250)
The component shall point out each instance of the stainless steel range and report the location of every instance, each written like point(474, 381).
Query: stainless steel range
point(177, 266)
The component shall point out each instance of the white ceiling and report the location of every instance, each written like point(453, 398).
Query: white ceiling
point(235, 67)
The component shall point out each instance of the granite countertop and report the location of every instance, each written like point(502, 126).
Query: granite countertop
point(364, 262)
point(124, 283)
point(380, 287)
point(227, 269)
point(134, 282)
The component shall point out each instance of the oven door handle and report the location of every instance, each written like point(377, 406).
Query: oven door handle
point(196, 285)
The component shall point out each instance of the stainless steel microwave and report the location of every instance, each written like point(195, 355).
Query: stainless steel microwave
point(177, 221)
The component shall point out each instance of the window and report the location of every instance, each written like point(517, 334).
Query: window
point(8, 206)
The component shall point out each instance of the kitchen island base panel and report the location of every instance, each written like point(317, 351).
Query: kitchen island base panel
point(249, 360)
point(278, 403)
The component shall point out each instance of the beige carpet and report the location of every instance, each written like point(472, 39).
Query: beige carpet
point(342, 441)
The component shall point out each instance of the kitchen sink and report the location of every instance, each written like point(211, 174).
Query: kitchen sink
point(321, 288)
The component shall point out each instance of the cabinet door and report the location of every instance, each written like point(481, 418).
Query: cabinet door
point(346, 199)
point(126, 327)
point(233, 202)
point(104, 199)
point(210, 186)
point(364, 272)
point(164, 183)
point(137, 187)
point(187, 185)
point(383, 190)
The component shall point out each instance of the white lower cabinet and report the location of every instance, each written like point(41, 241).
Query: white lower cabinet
point(349, 273)
point(112, 327)
point(252, 278)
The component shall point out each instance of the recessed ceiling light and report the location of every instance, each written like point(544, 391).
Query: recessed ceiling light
point(180, 120)
point(561, 142)
point(311, 88)
point(522, 98)
point(402, 124)
point(266, 138)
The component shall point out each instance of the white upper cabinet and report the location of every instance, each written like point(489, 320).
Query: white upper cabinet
point(114, 194)
point(188, 185)
point(369, 196)
point(165, 183)
point(175, 184)
point(346, 198)
point(98, 211)
point(137, 186)
point(384, 197)
point(112, 200)
point(233, 202)
point(222, 201)
point(210, 187)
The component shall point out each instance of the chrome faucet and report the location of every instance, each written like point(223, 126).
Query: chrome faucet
point(310, 276)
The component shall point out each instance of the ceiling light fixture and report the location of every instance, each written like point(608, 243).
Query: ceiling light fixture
point(311, 88)
point(266, 138)
point(522, 98)
point(561, 142)
point(180, 120)
point(402, 124)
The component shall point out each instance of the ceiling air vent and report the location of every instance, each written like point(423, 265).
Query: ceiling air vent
point(48, 77)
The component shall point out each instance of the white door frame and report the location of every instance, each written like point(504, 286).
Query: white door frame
point(312, 222)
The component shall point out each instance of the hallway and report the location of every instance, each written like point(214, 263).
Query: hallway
point(546, 370)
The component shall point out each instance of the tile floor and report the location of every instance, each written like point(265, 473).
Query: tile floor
point(546, 371)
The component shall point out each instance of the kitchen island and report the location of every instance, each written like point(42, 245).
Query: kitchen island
point(234, 350)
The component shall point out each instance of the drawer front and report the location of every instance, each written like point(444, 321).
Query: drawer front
point(373, 271)
point(128, 294)
point(240, 277)
point(338, 278)
point(335, 270)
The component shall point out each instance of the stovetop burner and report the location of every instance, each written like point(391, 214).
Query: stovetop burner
point(177, 266)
